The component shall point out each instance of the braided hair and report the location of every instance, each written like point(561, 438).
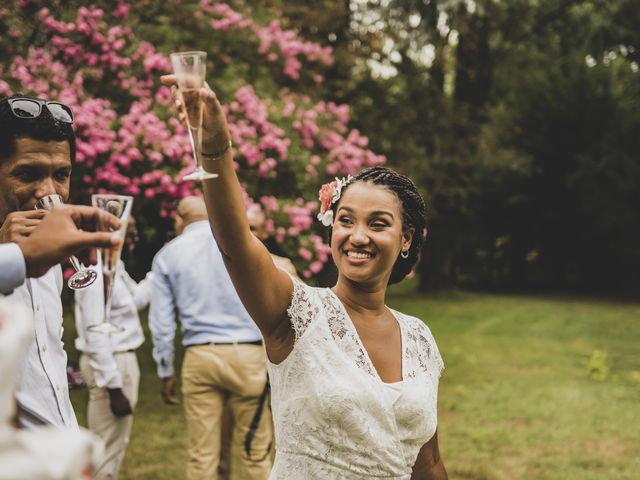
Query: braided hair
point(413, 213)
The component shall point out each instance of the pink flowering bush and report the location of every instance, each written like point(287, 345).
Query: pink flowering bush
point(104, 62)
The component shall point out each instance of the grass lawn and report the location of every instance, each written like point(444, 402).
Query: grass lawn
point(517, 399)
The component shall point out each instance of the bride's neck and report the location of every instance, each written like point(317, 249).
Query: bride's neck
point(365, 299)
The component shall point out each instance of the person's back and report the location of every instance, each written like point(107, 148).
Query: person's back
point(201, 288)
point(224, 361)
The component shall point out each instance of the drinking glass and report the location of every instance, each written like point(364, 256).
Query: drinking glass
point(83, 276)
point(119, 206)
point(189, 68)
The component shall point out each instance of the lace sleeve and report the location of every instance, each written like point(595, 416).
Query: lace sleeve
point(426, 351)
point(437, 364)
point(302, 309)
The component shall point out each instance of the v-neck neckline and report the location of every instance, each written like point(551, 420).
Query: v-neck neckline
point(360, 344)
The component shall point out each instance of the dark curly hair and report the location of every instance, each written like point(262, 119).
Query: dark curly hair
point(413, 213)
point(44, 128)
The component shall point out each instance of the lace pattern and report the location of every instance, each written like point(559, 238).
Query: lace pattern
point(334, 417)
point(302, 310)
point(343, 334)
point(421, 348)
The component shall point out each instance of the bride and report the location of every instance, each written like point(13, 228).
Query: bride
point(354, 383)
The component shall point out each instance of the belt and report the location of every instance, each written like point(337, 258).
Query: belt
point(131, 350)
point(255, 342)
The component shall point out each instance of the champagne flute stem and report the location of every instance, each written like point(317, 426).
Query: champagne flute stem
point(75, 263)
point(108, 286)
point(195, 136)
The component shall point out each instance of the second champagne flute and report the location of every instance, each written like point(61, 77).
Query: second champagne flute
point(190, 68)
point(119, 206)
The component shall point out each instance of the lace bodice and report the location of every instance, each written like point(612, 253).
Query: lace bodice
point(334, 417)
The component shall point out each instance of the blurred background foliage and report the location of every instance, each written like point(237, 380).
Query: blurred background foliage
point(518, 119)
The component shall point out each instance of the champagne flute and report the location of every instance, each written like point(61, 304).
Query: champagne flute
point(83, 276)
point(119, 206)
point(189, 68)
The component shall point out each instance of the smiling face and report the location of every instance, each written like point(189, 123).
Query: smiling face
point(367, 234)
point(35, 169)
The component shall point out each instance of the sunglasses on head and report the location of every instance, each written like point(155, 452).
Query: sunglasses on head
point(23, 107)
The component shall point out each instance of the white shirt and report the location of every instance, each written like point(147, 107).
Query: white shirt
point(46, 453)
point(127, 298)
point(190, 276)
point(42, 384)
point(13, 269)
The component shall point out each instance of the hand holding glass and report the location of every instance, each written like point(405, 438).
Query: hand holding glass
point(119, 206)
point(190, 68)
point(83, 276)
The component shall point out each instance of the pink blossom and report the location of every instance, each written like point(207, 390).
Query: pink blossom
point(132, 143)
point(325, 195)
point(270, 203)
point(122, 10)
point(316, 267)
point(305, 253)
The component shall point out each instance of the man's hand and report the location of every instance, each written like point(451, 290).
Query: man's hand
point(17, 226)
point(65, 231)
point(168, 391)
point(119, 402)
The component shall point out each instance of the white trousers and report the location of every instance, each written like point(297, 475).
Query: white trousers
point(114, 431)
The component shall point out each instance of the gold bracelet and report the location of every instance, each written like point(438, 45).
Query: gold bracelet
point(217, 155)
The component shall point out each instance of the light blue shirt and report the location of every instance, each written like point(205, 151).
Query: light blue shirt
point(189, 276)
point(12, 267)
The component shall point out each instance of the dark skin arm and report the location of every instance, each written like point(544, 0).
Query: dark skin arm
point(264, 289)
point(429, 464)
point(119, 403)
point(168, 391)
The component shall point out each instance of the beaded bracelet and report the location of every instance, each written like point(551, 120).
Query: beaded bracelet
point(217, 155)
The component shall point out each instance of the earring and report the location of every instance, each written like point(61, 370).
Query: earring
point(404, 254)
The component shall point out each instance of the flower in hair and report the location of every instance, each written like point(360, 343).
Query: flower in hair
point(329, 195)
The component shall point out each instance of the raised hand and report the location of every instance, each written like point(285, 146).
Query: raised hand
point(119, 403)
point(215, 133)
point(168, 391)
point(65, 231)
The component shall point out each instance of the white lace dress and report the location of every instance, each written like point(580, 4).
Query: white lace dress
point(334, 417)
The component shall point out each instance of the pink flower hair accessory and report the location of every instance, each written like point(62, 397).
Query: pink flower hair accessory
point(329, 195)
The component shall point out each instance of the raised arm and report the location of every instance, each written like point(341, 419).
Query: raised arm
point(264, 289)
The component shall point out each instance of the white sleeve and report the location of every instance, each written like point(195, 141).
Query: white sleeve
point(140, 291)
point(13, 269)
point(89, 310)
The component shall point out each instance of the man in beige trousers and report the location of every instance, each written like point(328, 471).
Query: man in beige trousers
point(224, 362)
